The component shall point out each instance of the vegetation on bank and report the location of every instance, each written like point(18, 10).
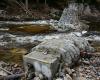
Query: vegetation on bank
point(39, 9)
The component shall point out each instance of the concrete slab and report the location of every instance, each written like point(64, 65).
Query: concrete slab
point(47, 64)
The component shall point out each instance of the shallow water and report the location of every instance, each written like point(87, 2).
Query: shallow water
point(27, 28)
point(12, 55)
point(15, 53)
point(31, 29)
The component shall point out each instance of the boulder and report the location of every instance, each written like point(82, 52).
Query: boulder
point(50, 52)
point(69, 20)
point(56, 47)
point(42, 63)
point(47, 54)
point(80, 42)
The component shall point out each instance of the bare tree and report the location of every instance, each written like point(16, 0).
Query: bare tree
point(26, 4)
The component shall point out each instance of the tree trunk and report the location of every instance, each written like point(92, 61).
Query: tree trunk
point(26, 3)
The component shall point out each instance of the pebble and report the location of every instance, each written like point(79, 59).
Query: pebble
point(37, 74)
point(2, 73)
point(13, 68)
point(86, 62)
point(36, 78)
point(82, 78)
point(67, 77)
point(16, 65)
point(59, 79)
point(80, 69)
point(41, 76)
point(73, 70)
point(88, 71)
point(81, 74)
point(98, 74)
point(98, 78)
point(69, 71)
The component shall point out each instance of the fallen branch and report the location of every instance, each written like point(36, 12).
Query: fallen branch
point(6, 70)
point(21, 4)
point(14, 76)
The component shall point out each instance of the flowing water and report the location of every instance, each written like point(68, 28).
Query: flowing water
point(18, 46)
point(14, 51)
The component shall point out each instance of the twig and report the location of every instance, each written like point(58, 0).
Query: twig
point(6, 70)
point(21, 4)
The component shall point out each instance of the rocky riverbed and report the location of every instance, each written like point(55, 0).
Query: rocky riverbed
point(86, 69)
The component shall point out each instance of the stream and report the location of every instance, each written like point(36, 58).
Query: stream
point(18, 38)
